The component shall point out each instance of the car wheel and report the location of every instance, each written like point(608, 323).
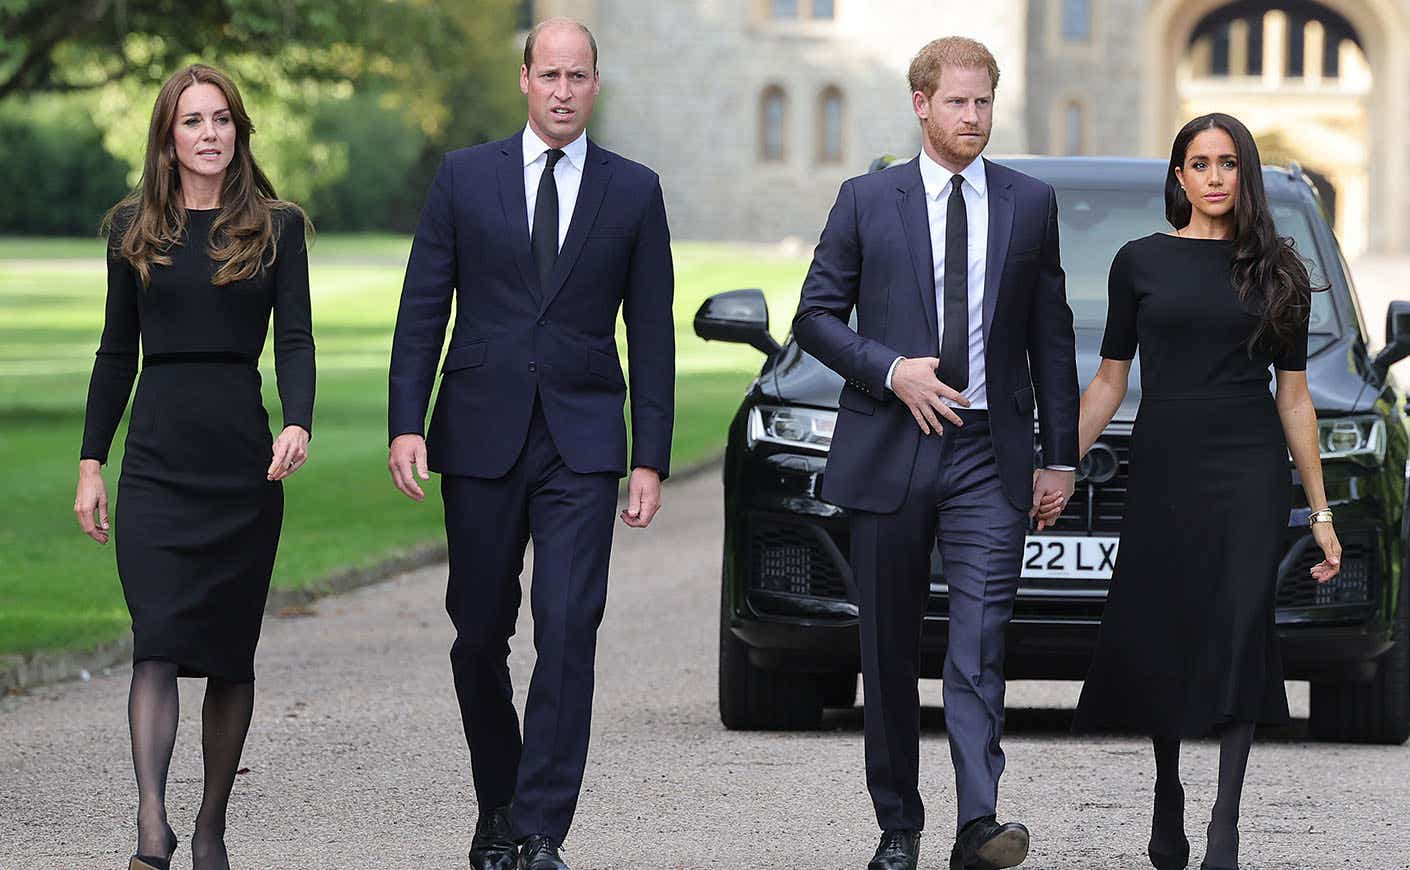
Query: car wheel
point(839, 691)
point(756, 699)
point(1374, 712)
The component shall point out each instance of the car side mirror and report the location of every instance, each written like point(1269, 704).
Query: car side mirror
point(1397, 337)
point(739, 316)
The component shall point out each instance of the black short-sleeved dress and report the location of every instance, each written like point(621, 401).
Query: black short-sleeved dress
point(1187, 639)
point(195, 521)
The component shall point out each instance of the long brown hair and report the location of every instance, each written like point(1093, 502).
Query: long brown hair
point(151, 220)
point(1270, 277)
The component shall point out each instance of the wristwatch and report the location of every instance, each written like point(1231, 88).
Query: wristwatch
point(1322, 516)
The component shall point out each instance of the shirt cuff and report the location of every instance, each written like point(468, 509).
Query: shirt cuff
point(891, 371)
point(1060, 468)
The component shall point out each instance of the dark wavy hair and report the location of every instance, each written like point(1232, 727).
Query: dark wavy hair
point(151, 220)
point(1270, 277)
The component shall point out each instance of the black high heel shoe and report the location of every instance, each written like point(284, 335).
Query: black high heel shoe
point(1171, 860)
point(152, 862)
point(1204, 866)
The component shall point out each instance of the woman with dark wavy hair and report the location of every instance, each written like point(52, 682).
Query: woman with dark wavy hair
point(1188, 646)
point(198, 258)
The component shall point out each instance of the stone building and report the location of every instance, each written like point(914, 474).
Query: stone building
point(754, 111)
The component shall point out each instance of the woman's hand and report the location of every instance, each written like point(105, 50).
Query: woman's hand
point(290, 452)
point(1326, 538)
point(90, 504)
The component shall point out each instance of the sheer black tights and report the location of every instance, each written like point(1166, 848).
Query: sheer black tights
point(1167, 823)
point(153, 708)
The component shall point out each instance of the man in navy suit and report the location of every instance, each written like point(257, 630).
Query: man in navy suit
point(952, 265)
point(540, 239)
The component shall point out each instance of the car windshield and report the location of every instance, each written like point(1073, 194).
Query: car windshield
point(1094, 224)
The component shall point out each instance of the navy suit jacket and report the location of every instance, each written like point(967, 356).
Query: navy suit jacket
point(874, 256)
point(514, 338)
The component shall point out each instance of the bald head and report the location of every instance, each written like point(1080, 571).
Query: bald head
point(559, 27)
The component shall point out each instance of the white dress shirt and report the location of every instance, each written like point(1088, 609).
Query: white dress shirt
point(975, 189)
point(567, 173)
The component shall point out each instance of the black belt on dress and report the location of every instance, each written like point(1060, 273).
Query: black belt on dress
point(207, 357)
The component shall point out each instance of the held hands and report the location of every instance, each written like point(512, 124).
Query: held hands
point(1051, 492)
point(1326, 538)
point(290, 452)
point(406, 459)
point(90, 503)
point(643, 497)
point(914, 383)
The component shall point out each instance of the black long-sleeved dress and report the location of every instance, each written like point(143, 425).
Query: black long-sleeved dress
point(196, 522)
point(1188, 640)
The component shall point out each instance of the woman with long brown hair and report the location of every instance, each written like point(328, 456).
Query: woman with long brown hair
point(1188, 646)
point(198, 258)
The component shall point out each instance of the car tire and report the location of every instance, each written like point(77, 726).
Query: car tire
point(1374, 712)
point(839, 691)
point(756, 699)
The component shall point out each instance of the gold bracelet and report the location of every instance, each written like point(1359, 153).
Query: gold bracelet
point(1322, 516)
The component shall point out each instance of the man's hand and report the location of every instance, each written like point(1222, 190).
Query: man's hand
point(643, 497)
point(914, 383)
point(406, 459)
point(1051, 492)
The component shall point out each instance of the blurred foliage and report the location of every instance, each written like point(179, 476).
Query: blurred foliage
point(79, 180)
point(353, 102)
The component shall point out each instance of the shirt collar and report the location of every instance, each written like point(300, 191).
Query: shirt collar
point(937, 178)
point(574, 152)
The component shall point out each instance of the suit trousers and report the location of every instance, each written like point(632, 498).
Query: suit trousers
point(569, 517)
point(956, 499)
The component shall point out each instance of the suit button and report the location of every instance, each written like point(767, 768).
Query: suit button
point(533, 367)
point(543, 321)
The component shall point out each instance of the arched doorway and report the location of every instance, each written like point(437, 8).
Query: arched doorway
point(1314, 81)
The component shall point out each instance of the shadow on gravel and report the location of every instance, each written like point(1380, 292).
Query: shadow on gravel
point(1037, 722)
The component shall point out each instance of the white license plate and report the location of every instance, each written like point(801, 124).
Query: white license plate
point(1074, 557)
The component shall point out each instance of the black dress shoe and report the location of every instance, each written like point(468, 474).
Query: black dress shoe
point(898, 850)
point(1204, 866)
point(984, 844)
point(540, 853)
point(493, 847)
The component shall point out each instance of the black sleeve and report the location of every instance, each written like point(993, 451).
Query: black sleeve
point(651, 339)
point(116, 365)
point(1120, 340)
point(293, 325)
point(1294, 358)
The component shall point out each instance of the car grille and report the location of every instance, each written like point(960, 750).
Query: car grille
point(1098, 507)
point(795, 558)
point(1356, 584)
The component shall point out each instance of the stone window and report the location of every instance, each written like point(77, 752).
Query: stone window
point(1076, 20)
point(831, 121)
point(797, 10)
point(1074, 128)
point(773, 112)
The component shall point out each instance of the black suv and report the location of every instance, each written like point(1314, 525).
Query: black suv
point(788, 617)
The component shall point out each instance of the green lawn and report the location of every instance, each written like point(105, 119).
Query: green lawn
point(59, 590)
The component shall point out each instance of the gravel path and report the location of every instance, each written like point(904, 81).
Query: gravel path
point(356, 758)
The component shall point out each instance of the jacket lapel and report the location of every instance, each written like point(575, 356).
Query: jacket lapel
point(596, 174)
point(516, 210)
point(915, 220)
point(1000, 229)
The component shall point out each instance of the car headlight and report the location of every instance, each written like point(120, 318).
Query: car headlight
point(808, 428)
point(1359, 438)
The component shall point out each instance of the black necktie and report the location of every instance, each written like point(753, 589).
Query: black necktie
point(954, 343)
point(544, 239)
